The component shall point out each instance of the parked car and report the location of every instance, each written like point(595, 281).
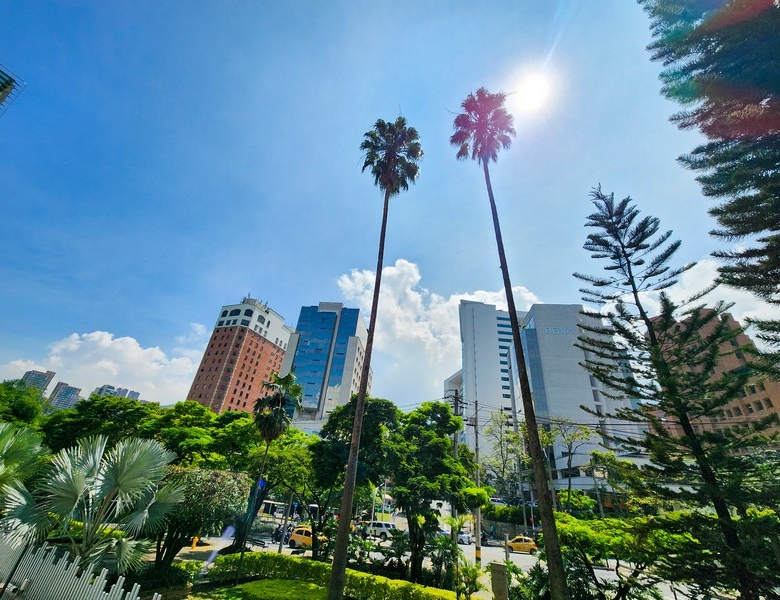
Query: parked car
point(301, 537)
point(464, 537)
point(522, 543)
point(380, 529)
point(499, 501)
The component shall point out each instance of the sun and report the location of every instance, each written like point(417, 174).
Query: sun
point(532, 92)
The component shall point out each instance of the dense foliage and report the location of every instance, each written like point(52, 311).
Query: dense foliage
point(90, 490)
point(721, 62)
point(673, 357)
point(210, 500)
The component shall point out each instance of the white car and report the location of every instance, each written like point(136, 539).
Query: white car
point(464, 537)
point(380, 529)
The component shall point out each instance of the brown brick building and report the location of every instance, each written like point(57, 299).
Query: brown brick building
point(758, 399)
point(247, 345)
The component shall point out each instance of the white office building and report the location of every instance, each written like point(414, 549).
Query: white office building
point(560, 386)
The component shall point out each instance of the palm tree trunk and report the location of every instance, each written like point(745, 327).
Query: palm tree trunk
point(558, 588)
point(338, 573)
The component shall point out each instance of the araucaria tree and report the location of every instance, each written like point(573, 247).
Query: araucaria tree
point(481, 130)
point(720, 62)
point(675, 354)
point(392, 150)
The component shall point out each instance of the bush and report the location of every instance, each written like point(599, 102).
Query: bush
point(178, 575)
point(282, 589)
point(360, 586)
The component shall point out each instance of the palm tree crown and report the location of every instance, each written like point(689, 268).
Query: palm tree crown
point(484, 127)
point(272, 414)
point(392, 149)
point(481, 131)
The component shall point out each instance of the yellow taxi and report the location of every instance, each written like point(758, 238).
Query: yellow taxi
point(301, 537)
point(522, 543)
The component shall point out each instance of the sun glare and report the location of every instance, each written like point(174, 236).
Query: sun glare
point(532, 92)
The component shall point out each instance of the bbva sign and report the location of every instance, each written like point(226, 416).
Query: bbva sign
point(559, 330)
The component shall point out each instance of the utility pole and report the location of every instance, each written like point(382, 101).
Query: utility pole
point(478, 513)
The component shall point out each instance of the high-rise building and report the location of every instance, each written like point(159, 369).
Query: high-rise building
point(247, 345)
point(38, 379)
point(560, 386)
point(110, 390)
point(326, 354)
point(759, 398)
point(64, 395)
point(10, 86)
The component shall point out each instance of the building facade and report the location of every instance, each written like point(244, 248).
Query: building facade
point(560, 386)
point(10, 86)
point(38, 379)
point(326, 353)
point(110, 390)
point(758, 399)
point(247, 345)
point(64, 396)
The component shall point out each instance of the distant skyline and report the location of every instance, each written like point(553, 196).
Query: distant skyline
point(165, 159)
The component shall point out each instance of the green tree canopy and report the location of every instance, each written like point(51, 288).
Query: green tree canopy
point(210, 500)
point(187, 429)
point(114, 417)
point(425, 471)
point(20, 403)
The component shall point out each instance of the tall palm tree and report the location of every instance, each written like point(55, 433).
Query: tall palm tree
point(98, 497)
point(392, 150)
point(273, 412)
point(481, 130)
point(273, 416)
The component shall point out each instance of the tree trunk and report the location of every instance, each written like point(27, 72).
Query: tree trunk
point(338, 572)
point(558, 587)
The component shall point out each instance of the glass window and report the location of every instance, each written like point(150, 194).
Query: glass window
point(224, 313)
point(248, 312)
point(235, 312)
point(220, 324)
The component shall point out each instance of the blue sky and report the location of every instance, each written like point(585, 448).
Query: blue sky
point(166, 158)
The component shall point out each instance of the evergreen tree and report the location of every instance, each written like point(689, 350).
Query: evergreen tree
point(722, 61)
point(673, 354)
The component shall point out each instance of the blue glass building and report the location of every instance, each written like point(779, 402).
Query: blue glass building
point(326, 353)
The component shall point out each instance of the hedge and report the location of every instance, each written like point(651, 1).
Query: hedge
point(358, 585)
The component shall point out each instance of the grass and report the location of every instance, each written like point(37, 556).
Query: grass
point(231, 593)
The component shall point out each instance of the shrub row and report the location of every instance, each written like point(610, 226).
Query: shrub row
point(360, 586)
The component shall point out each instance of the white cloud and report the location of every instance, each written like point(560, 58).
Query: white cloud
point(703, 274)
point(417, 344)
point(417, 341)
point(90, 360)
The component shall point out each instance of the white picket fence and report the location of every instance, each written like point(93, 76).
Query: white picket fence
point(51, 575)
